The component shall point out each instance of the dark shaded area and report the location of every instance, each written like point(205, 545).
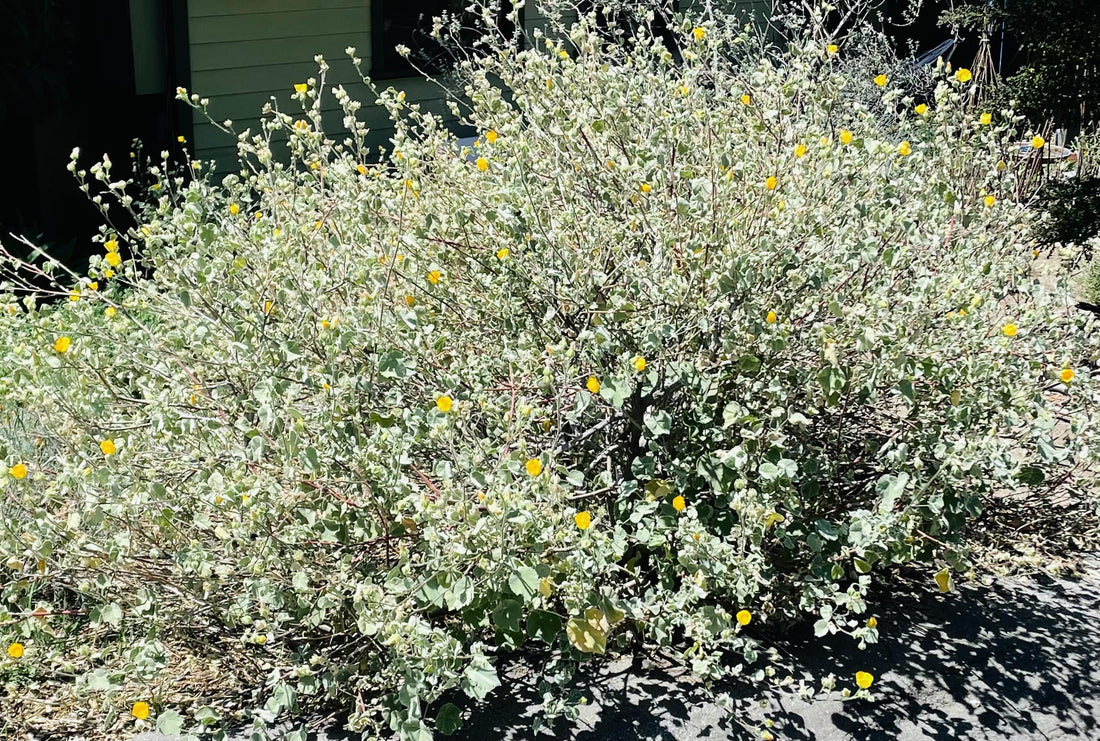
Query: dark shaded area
point(68, 78)
point(401, 23)
point(1073, 208)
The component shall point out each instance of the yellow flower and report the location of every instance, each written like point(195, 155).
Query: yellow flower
point(872, 622)
point(831, 49)
point(301, 87)
point(15, 650)
point(482, 164)
point(111, 245)
point(61, 344)
point(491, 136)
point(1010, 330)
point(108, 273)
point(113, 259)
point(234, 209)
point(140, 710)
point(301, 124)
point(93, 286)
point(638, 363)
point(74, 295)
point(646, 187)
point(1066, 376)
point(19, 470)
point(771, 182)
point(593, 384)
point(771, 318)
point(989, 201)
point(904, 150)
point(268, 306)
point(963, 75)
point(921, 109)
point(109, 311)
point(533, 466)
point(881, 80)
point(410, 300)
point(563, 54)
point(434, 276)
point(108, 446)
point(800, 151)
point(864, 679)
point(361, 169)
point(444, 404)
point(845, 137)
point(678, 503)
point(746, 99)
point(1038, 142)
point(986, 119)
point(181, 139)
point(502, 253)
point(699, 33)
point(744, 617)
point(582, 520)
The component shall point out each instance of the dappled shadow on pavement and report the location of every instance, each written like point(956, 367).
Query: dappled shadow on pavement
point(1017, 660)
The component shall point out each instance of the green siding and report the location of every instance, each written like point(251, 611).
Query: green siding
point(211, 8)
point(756, 11)
point(244, 52)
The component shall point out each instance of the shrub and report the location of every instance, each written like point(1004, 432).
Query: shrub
point(675, 353)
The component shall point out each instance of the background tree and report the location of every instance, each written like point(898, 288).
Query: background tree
point(1058, 78)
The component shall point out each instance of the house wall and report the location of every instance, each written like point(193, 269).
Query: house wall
point(756, 10)
point(243, 52)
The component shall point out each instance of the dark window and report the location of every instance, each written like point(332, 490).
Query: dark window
point(405, 23)
point(625, 23)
